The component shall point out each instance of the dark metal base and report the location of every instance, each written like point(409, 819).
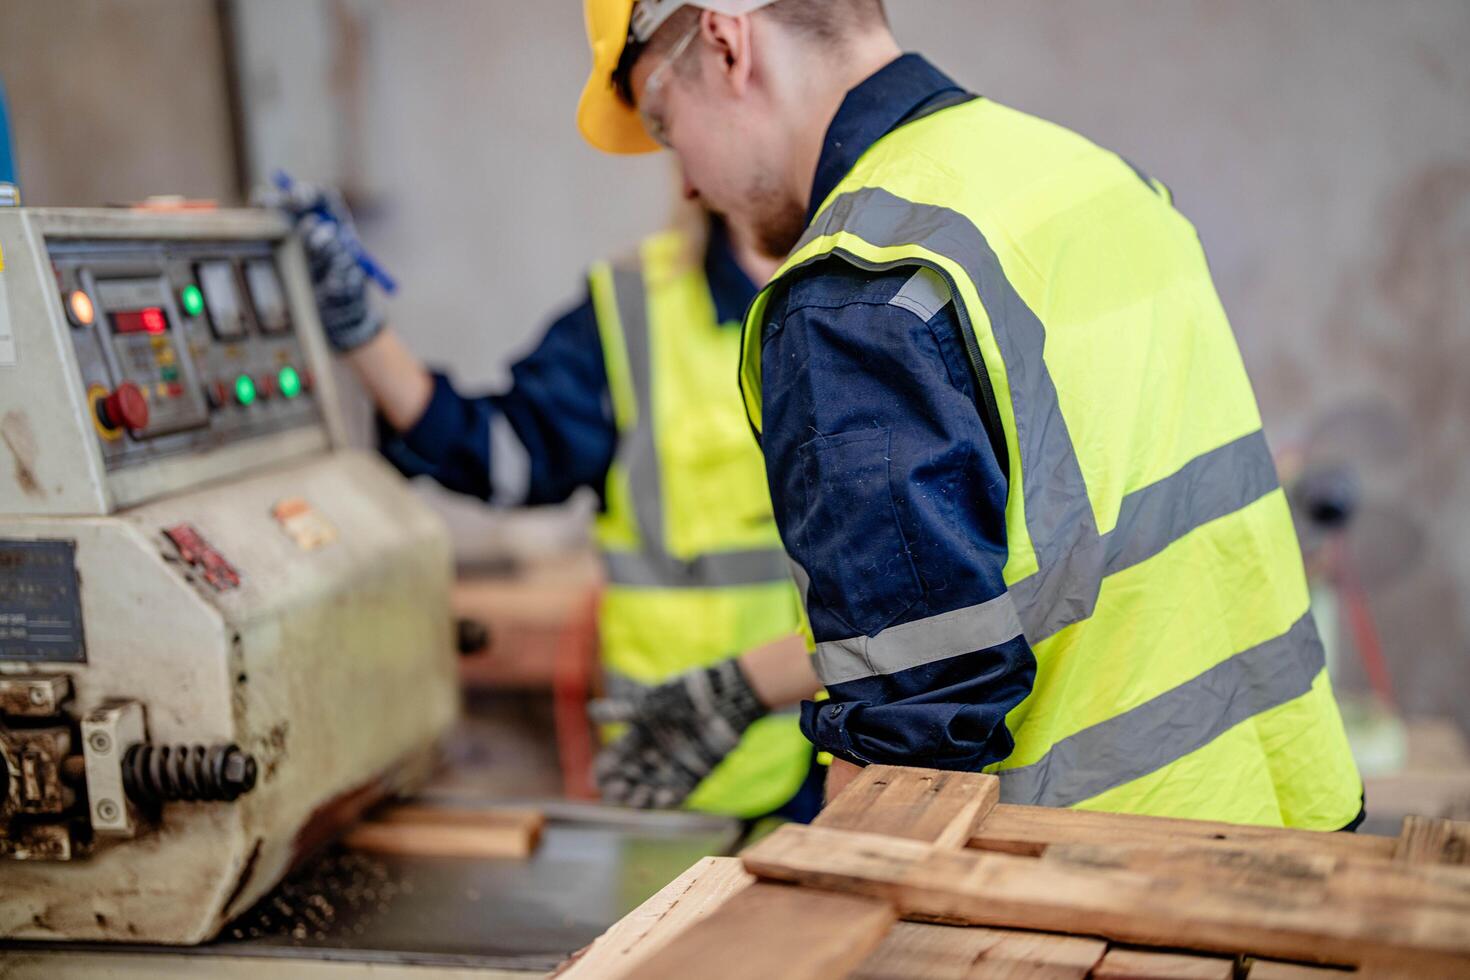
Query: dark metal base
point(593, 866)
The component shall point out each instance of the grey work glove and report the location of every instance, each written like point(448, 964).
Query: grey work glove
point(337, 279)
point(678, 732)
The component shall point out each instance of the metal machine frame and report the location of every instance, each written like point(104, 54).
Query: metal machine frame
point(254, 637)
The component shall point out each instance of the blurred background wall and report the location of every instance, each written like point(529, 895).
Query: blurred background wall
point(1322, 147)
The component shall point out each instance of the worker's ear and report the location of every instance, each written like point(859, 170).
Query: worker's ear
point(730, 38)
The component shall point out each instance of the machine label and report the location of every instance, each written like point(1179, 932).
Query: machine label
point(40, 603)
point(304, 525)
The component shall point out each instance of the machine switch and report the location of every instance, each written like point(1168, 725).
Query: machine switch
point(191, 299)
point(289, 381)
point(79, 309)
point(125, 408)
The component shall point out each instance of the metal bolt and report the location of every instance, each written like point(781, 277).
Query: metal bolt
point(37, 695)
point(239, 771)
point(106, 810)
point(99, 742)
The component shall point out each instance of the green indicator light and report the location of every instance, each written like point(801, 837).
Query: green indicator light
point(169, 374)
point(244, 389)
point(290, 381)
point(192, 299)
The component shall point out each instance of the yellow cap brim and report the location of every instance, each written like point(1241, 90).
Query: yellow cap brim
point(605, 120)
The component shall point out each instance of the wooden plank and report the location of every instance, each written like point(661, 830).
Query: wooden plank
point(1030, 830)
point(1137, 964)
point(941, 808)
point(1318, 922)
point(1432, 841)
point(654, 924)
point(1272, 970)
point(937, 952)
point(914, 949)
point(1039, 955)
point(768, 930)
point(1268, 872)
point(460, 816)
point(426, 831)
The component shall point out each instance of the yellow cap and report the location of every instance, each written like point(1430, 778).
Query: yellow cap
point(606, 121)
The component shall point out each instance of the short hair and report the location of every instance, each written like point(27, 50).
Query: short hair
point(827, 21)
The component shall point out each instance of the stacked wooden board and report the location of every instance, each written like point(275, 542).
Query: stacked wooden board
point(989, 890)
point(419, 830)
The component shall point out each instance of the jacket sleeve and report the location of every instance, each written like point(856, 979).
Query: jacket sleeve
point(891, 502)
point(551, 432)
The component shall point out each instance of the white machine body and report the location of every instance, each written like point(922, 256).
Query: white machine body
point(222, 633)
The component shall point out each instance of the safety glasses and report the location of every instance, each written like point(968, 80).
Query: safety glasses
point(653, 120)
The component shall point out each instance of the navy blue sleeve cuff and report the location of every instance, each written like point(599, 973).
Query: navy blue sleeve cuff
point(949, 714)
point(444, 425)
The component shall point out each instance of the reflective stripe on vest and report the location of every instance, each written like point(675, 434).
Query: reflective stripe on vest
point(1061, 571)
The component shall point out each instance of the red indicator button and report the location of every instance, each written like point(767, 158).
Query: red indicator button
point(125, 408)
point(175, 390)
point(147, 320)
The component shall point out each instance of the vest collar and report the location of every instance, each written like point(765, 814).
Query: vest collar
point(874, 108)
point(729, 286)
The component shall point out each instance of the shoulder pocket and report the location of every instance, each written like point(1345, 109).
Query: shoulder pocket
point(849, 537)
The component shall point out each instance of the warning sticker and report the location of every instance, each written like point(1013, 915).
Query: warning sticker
point(40, 603)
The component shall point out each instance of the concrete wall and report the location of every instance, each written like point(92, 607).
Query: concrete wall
point(114, 101)
point(1322, 147)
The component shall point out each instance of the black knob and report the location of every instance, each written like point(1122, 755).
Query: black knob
point(472, 637)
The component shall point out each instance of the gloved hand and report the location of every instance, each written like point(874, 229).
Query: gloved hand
point(337, 279)
point(678, 732)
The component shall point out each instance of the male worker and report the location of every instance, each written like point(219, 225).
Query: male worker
point(631, 393)
point(1011, 445)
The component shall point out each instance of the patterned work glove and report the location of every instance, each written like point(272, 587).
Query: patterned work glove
point(678, 732)
point(338, 281)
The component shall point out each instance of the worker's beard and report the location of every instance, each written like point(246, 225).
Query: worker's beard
point(777, 219)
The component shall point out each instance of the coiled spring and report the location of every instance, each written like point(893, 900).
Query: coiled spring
point(155, 774)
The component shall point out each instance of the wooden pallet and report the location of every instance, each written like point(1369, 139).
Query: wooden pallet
point(992, 890)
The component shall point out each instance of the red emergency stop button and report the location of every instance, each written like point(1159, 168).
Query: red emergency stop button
point(125, 408)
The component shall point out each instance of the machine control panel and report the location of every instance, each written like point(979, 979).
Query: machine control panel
point(182, 345)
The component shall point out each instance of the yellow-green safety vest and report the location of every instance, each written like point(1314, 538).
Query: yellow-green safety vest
point(1152, 563)
point(694, 565)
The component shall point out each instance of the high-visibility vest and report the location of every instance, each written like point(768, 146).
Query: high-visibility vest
point(1152, 566)
point(694, 564)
